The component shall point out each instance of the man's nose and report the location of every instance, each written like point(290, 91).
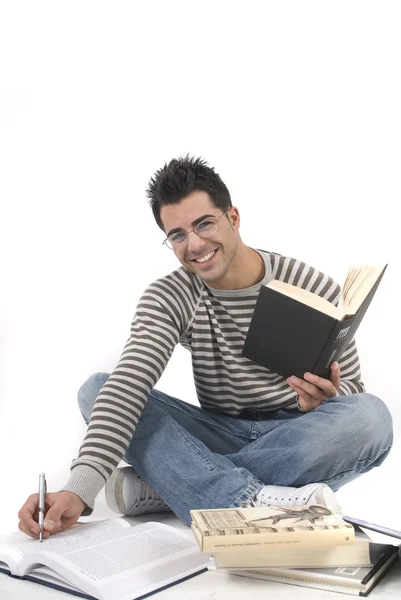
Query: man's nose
point(194, 243)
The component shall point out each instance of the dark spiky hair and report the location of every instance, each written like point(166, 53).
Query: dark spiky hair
point(179, 178)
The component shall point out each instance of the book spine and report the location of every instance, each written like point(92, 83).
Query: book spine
point(298, 580)
point(338, 340)
point(231, 542)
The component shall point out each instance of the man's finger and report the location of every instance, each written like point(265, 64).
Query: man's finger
point(323, 384)
point(335, 375)
point(307, 388)
point(31, 505)
point(307, 403)
point(306, 399)
point(64, 511)
point(28, 524)
point(300, 391)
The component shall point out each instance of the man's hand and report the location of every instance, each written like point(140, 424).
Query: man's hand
point(315, 390)
point(63, 509)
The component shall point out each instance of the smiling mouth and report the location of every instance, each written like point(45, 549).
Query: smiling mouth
point(205, 259)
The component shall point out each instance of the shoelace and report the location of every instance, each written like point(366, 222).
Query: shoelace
point(147, 494)
point(263, 499)
point(289, 501)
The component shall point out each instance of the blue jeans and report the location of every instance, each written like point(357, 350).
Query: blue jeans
point(196, 458)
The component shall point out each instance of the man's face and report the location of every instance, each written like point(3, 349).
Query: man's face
point(210, 257)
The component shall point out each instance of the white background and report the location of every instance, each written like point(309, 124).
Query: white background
point(296, 105)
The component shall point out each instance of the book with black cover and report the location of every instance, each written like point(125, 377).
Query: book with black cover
point(105, 560)
point(290, 337)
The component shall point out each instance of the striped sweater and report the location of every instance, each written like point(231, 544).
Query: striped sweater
point(212, 324)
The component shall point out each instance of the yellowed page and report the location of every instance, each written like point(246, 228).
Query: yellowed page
point(306, 297)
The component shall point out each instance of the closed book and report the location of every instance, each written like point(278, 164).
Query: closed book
point(256, 528)
point(364, 553)
point(356, 581)
point(294, 331)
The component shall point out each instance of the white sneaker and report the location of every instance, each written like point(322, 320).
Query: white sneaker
point(312, 493)
point(128, 494)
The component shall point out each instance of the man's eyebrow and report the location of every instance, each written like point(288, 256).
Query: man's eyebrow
point(194, 224)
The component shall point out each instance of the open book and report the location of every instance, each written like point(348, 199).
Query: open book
point(358, 283)
point(105, 560)
point(294, 330)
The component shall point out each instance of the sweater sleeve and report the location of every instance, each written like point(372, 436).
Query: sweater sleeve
point(156, 328)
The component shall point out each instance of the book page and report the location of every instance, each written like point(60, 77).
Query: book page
point(124, 562)
point(358, 283)
point(17, 545)
point(309, 298)
point(9, 556)
point(45, 574)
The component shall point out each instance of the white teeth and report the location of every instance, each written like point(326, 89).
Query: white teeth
point(206, 257)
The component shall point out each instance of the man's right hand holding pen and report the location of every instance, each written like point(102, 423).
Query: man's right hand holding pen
point(62, 510)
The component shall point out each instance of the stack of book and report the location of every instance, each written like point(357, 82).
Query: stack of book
point(306, 545)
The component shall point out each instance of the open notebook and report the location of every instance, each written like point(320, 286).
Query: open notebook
point(105, 560)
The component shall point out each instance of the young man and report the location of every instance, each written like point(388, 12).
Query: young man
point(256, 439)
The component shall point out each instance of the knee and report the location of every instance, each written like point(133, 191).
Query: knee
point(88, 393)
point(374, 419)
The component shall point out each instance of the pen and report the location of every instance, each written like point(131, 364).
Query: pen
point(42, 501)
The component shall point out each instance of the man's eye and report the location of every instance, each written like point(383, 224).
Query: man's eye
point(206, 225)
point(177, 237)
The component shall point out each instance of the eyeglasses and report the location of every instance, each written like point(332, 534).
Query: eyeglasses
point(204, 229)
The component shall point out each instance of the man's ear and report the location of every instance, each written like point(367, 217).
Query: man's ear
point(234, 218)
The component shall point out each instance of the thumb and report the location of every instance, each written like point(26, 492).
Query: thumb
point(335, 376)
point(53, 518)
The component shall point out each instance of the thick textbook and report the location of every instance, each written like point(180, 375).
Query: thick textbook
point(105, 560)
point(256, 528)
point(357, 581)
point(294, 331)
point(363, 553)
